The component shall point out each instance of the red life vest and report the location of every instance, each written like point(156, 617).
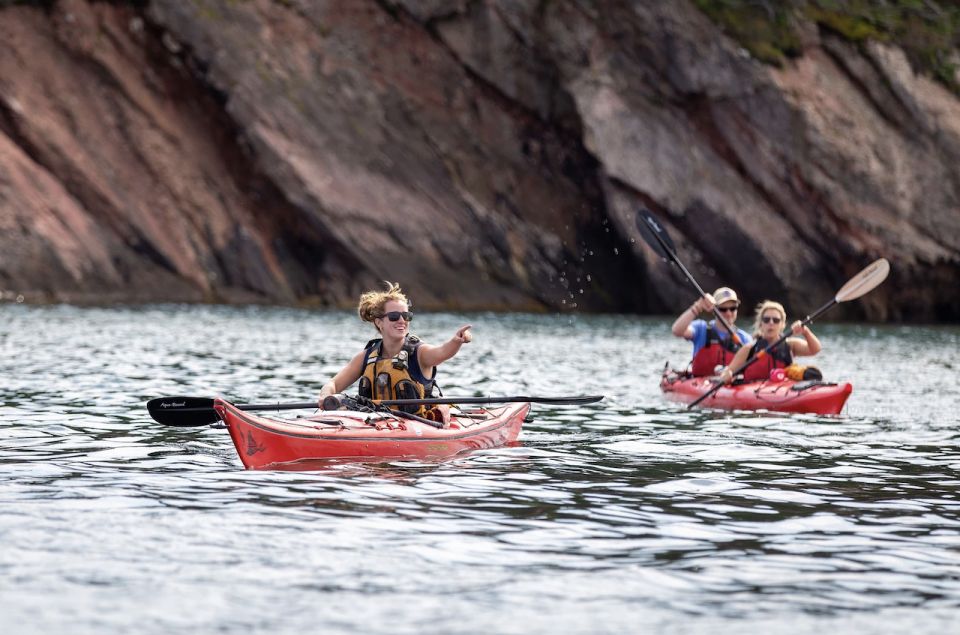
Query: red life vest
point(716, 352)
point(779, 357)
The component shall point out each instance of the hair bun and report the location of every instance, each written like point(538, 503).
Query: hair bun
point(372, 302)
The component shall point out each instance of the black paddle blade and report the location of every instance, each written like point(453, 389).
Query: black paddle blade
point(183, 411)
point(654, 234)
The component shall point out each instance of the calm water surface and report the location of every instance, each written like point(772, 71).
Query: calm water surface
point(621, 516)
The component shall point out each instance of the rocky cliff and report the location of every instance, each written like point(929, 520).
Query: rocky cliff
point(484, 153)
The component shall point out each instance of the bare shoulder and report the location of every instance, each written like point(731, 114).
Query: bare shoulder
point(357, 359)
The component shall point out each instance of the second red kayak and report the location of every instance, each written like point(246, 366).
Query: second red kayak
point(265, 441)
point(782, 396)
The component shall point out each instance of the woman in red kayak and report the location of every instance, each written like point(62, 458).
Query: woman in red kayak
point(771, 319)
point(397, 364)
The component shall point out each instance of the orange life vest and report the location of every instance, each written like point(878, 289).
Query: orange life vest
point(398, 377)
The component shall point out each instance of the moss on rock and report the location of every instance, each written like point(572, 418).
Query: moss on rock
point(927, 30)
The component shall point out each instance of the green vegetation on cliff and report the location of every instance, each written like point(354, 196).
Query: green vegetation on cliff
point(927, 30)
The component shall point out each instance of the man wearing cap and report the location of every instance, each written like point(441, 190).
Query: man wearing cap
point(712, 344)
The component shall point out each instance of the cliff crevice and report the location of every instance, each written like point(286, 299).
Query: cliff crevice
point(484, 154)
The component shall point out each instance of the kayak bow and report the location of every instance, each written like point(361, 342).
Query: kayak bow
point(782, 396)
point(267, 441)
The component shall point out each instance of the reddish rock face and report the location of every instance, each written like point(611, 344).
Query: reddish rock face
point(485, 155)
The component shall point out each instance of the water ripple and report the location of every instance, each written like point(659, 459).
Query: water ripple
point(625, 515)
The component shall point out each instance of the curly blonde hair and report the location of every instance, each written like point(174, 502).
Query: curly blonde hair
point(763, 306)
point(372, 302)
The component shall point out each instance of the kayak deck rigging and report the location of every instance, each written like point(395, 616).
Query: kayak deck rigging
point(266, 441)
point(808, 396)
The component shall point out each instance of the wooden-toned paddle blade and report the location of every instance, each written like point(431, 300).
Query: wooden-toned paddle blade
point(183, 411)
point(865, 281)
point(654, 234)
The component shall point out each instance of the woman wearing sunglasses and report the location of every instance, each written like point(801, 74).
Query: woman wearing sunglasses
point(771, 319)
point(397, 364)
point(712, 344)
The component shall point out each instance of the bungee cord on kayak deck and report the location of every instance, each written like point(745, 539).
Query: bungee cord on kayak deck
point(277, 441)
point(864, 282)
point(812, 396)
point(616, 498)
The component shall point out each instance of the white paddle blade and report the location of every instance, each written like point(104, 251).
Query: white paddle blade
point(865, 281)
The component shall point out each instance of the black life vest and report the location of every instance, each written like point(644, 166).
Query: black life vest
point(398, 377)
point(716, 352)
point(778, 357)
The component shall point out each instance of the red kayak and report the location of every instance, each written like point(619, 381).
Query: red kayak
point(266, 441)
point(815, 397)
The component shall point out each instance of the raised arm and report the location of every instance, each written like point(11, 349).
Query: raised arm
point(431, 356)
point(681, 327)
point(807, 346)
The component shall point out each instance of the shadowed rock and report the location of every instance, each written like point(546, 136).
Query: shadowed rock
point(484, 154)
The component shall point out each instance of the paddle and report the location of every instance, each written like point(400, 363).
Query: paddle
point(198, 411)
point(860, 284)
point(659, 240)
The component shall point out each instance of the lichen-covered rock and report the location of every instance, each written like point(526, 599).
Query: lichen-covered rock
point(484, 154)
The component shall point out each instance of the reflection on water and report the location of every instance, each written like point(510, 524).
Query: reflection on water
point(612, 517)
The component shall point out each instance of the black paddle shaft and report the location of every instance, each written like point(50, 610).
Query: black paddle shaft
point(864, 282)
point(199, 411)
point(651, 226)
point(807, 320)
point(483, 400)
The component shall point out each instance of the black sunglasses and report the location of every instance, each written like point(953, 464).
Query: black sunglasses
point(770, 320)
point(728, 309)
point(393, 316)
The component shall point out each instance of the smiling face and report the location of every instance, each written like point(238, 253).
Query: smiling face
point(392, 330)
